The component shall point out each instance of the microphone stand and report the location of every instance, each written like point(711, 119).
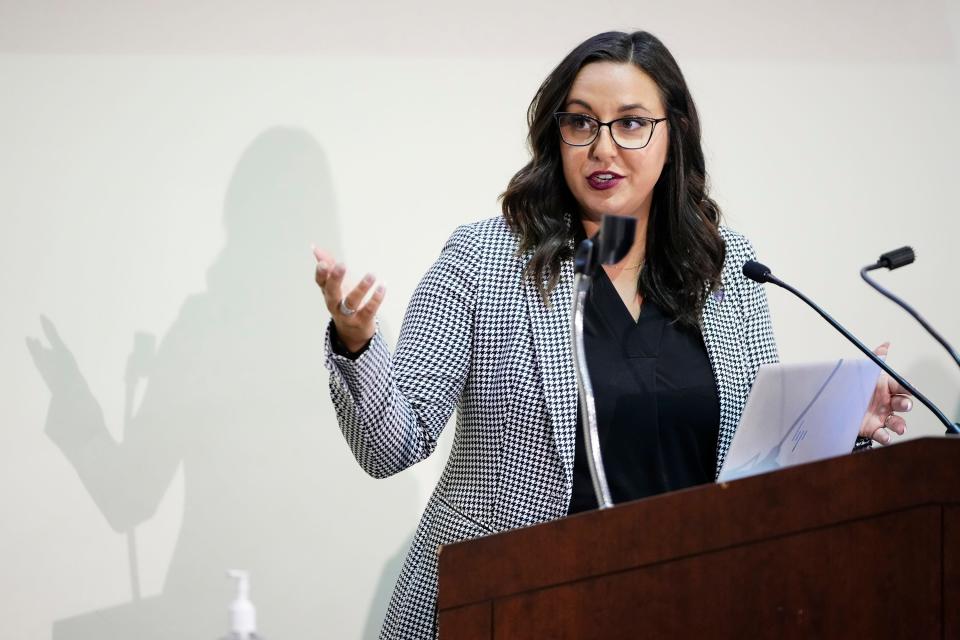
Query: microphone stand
point(614, 240)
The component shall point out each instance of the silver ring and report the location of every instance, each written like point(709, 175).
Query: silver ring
point(344, 309)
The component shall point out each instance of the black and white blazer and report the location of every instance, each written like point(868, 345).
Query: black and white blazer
point(478, 338)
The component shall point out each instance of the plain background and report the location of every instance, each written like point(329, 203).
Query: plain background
point(164, 168)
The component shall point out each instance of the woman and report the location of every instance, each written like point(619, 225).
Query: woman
point(613, 129)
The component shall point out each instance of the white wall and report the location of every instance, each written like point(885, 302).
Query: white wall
point(164, 168)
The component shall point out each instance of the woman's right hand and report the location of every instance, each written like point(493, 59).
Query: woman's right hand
point(357, 328)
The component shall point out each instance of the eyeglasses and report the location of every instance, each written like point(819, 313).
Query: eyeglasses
point(580, 130)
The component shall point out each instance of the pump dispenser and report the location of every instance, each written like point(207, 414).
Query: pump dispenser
point(243, 616)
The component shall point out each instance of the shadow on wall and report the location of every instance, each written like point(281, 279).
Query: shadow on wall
point(234, 393)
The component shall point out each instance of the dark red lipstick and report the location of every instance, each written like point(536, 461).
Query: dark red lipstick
point(604, 179)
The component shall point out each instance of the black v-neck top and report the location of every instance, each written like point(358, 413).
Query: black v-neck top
point(658, 412)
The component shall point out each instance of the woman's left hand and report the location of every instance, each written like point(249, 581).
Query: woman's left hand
point(888, 398)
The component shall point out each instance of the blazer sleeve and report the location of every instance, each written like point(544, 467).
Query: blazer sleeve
point(391, 409)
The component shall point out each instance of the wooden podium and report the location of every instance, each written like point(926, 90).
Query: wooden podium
point(862, 546)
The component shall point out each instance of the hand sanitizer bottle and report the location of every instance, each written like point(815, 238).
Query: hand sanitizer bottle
point(243, 617)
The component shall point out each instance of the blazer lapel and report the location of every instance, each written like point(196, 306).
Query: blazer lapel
point(550, 327)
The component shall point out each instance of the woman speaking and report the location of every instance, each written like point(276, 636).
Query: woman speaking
point(674, 332)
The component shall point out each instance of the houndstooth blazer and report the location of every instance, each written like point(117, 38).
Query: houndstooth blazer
point(477, 337)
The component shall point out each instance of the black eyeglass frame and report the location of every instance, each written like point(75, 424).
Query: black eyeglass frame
point(600, 125)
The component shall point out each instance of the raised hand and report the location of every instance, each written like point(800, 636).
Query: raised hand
point(354, 314)
point(55, 363)
point(74, 416)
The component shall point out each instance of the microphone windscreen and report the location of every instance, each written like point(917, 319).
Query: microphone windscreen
point(897, 258)
point(756, 271)
point(617, 234)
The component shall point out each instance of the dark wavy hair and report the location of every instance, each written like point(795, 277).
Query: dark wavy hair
point(684, 251)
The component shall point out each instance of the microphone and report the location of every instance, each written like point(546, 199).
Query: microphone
point(756, 271)
point(894, 260)
point(761, 273)
point(897, 258)
point(616, 236)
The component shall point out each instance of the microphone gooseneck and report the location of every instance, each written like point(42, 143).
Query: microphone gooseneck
point(752, 269)
point(894, 260)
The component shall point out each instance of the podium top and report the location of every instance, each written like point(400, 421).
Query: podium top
point(923, 471)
